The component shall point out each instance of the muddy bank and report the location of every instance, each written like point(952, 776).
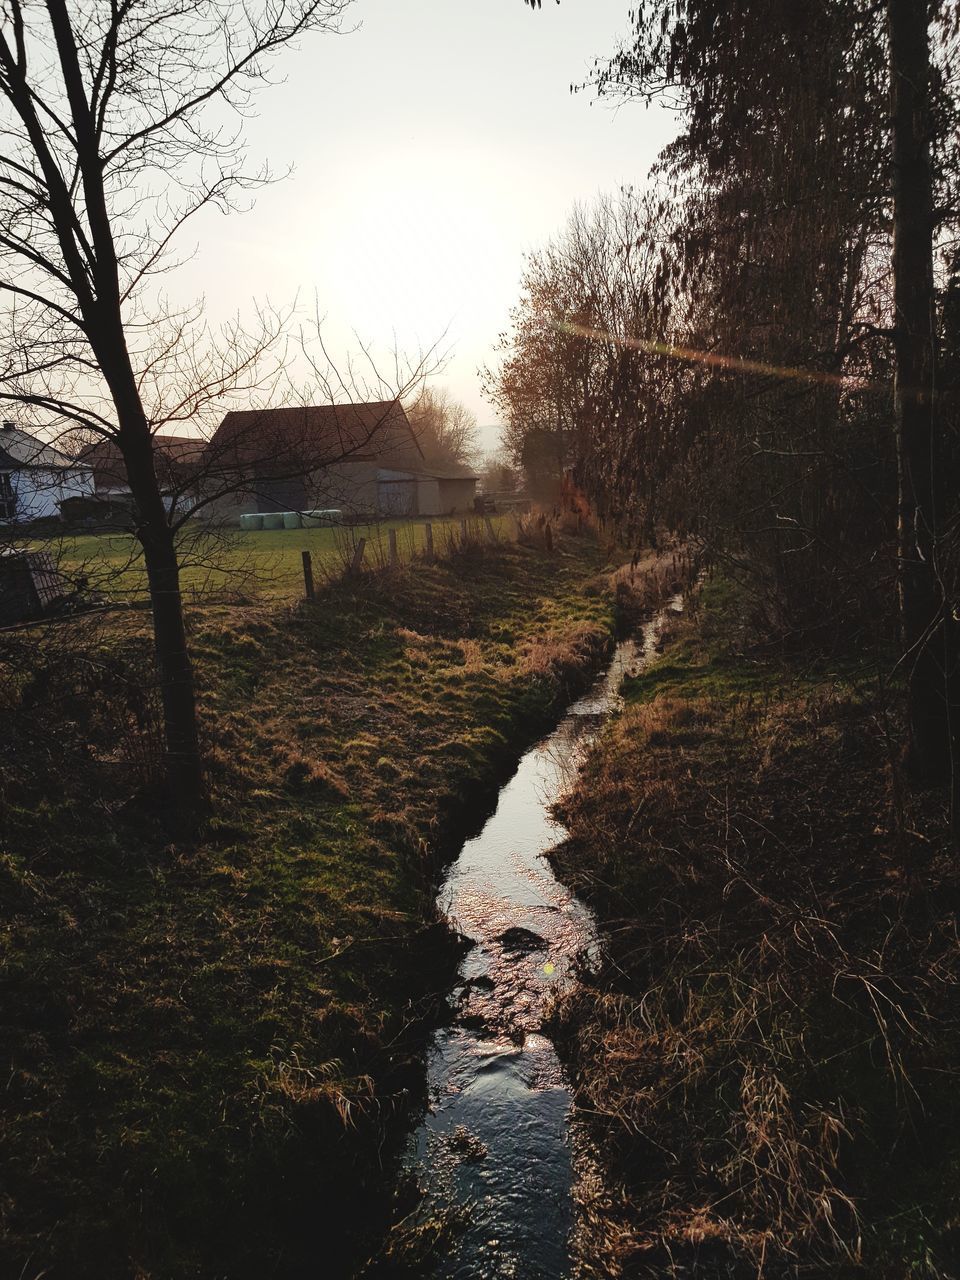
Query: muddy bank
point(766, 1058)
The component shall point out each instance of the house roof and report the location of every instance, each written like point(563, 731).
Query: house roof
point(174, 456)
point(308, 437)
point(20, 450)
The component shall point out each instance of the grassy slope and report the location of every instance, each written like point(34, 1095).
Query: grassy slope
point(260, 565)
point(207, 1043)
point(769, 1057)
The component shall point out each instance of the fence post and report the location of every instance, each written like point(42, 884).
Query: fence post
point(490, 529)
point(358, 556)
point(428, 535)
point(307, 575)
point(464, 536)
point(394, 553)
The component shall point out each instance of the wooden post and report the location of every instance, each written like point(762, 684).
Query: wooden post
point(464, 536)
point(358, 556)
point(394, 553)
point(490, 529)
point(307, 575)
point(428, 533)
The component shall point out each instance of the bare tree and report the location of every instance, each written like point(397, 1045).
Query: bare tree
point(119, 122)
point(446, 430)
point(926, 618)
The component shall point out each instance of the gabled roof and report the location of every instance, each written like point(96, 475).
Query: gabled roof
point(174, 456)
point(448, 471)
point(308, 437)
point(20, 450)
point(432, 471)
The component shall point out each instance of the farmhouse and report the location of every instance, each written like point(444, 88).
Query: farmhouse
point(362, 459)
point(35, 478)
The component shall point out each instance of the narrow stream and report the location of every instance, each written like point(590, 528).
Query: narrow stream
point(497, 1136)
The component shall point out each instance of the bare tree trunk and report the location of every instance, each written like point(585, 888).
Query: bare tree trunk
point(921, 600)
point(183, 766)
point(100, 300)
point(182, 763)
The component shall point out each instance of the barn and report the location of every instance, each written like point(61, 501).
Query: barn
point(362, 459)
point(428, 490)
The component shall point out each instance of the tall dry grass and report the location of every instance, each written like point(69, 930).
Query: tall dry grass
point(767, 1057)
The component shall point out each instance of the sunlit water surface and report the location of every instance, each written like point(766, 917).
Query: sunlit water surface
point(497, 1137)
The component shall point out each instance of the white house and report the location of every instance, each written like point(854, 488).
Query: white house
point(35, 477)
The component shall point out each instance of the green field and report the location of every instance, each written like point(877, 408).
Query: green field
point(235, 565)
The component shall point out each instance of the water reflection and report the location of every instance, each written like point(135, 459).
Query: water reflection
point(496, 1137)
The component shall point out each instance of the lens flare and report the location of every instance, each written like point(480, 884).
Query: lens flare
point(715, 359)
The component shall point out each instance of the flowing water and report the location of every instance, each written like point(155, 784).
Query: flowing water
point(497, 1138)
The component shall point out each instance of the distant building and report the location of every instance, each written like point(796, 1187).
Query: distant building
point(362, 459)
point(176, 460)
point(35, 478)
point(432, 489)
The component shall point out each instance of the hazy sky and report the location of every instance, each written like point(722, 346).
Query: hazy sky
point(431, 147)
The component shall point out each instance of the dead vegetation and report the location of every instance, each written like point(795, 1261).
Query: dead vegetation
point(767, 1059)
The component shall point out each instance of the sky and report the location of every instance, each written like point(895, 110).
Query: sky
point(432, 146)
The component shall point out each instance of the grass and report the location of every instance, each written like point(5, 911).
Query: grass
point(231, 564)
point(212, 1048)
point(767, 1056)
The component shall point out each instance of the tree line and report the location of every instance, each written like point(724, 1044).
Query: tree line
point(759, 349)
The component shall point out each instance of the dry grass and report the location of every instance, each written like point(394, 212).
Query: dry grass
point(768, 1057)
point(210, 1048)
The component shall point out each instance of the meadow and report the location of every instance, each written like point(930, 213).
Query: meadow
point(231, 565)
point(213, 1044)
